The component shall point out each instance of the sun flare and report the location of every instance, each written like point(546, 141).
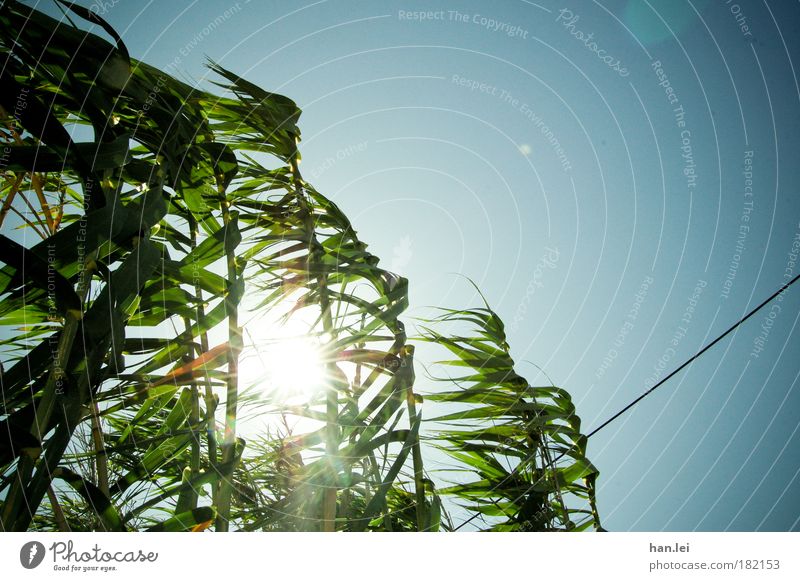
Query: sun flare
point(283, 358)
point(292, 366)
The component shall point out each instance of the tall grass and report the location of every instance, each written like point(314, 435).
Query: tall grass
point(121, 385)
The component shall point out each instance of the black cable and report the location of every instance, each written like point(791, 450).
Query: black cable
point(649, 391)
point(695, 356)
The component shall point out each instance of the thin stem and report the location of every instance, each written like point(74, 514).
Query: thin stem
point(100, 457)
point(10, 197)
point(58, 512)
point(194, 419)
point(332, 398)
point(208, 396)
point(36, 184)
point(407, 360)
point(232, 382)
point(42, 234)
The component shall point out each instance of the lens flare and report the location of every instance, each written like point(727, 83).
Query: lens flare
point(293, 366)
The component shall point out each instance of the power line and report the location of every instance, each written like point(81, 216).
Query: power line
point(695, 356)
point(649, 391)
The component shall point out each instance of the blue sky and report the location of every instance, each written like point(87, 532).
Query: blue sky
point(618, 177)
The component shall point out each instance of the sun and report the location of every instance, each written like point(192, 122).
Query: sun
point(293, 366)
point(283, 359)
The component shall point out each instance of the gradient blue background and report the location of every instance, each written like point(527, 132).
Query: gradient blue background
point(441, 179)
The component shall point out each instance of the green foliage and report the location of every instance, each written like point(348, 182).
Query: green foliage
point(520, 454)
point(183, 214)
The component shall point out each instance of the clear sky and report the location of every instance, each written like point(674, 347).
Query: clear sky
point(618, 177)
